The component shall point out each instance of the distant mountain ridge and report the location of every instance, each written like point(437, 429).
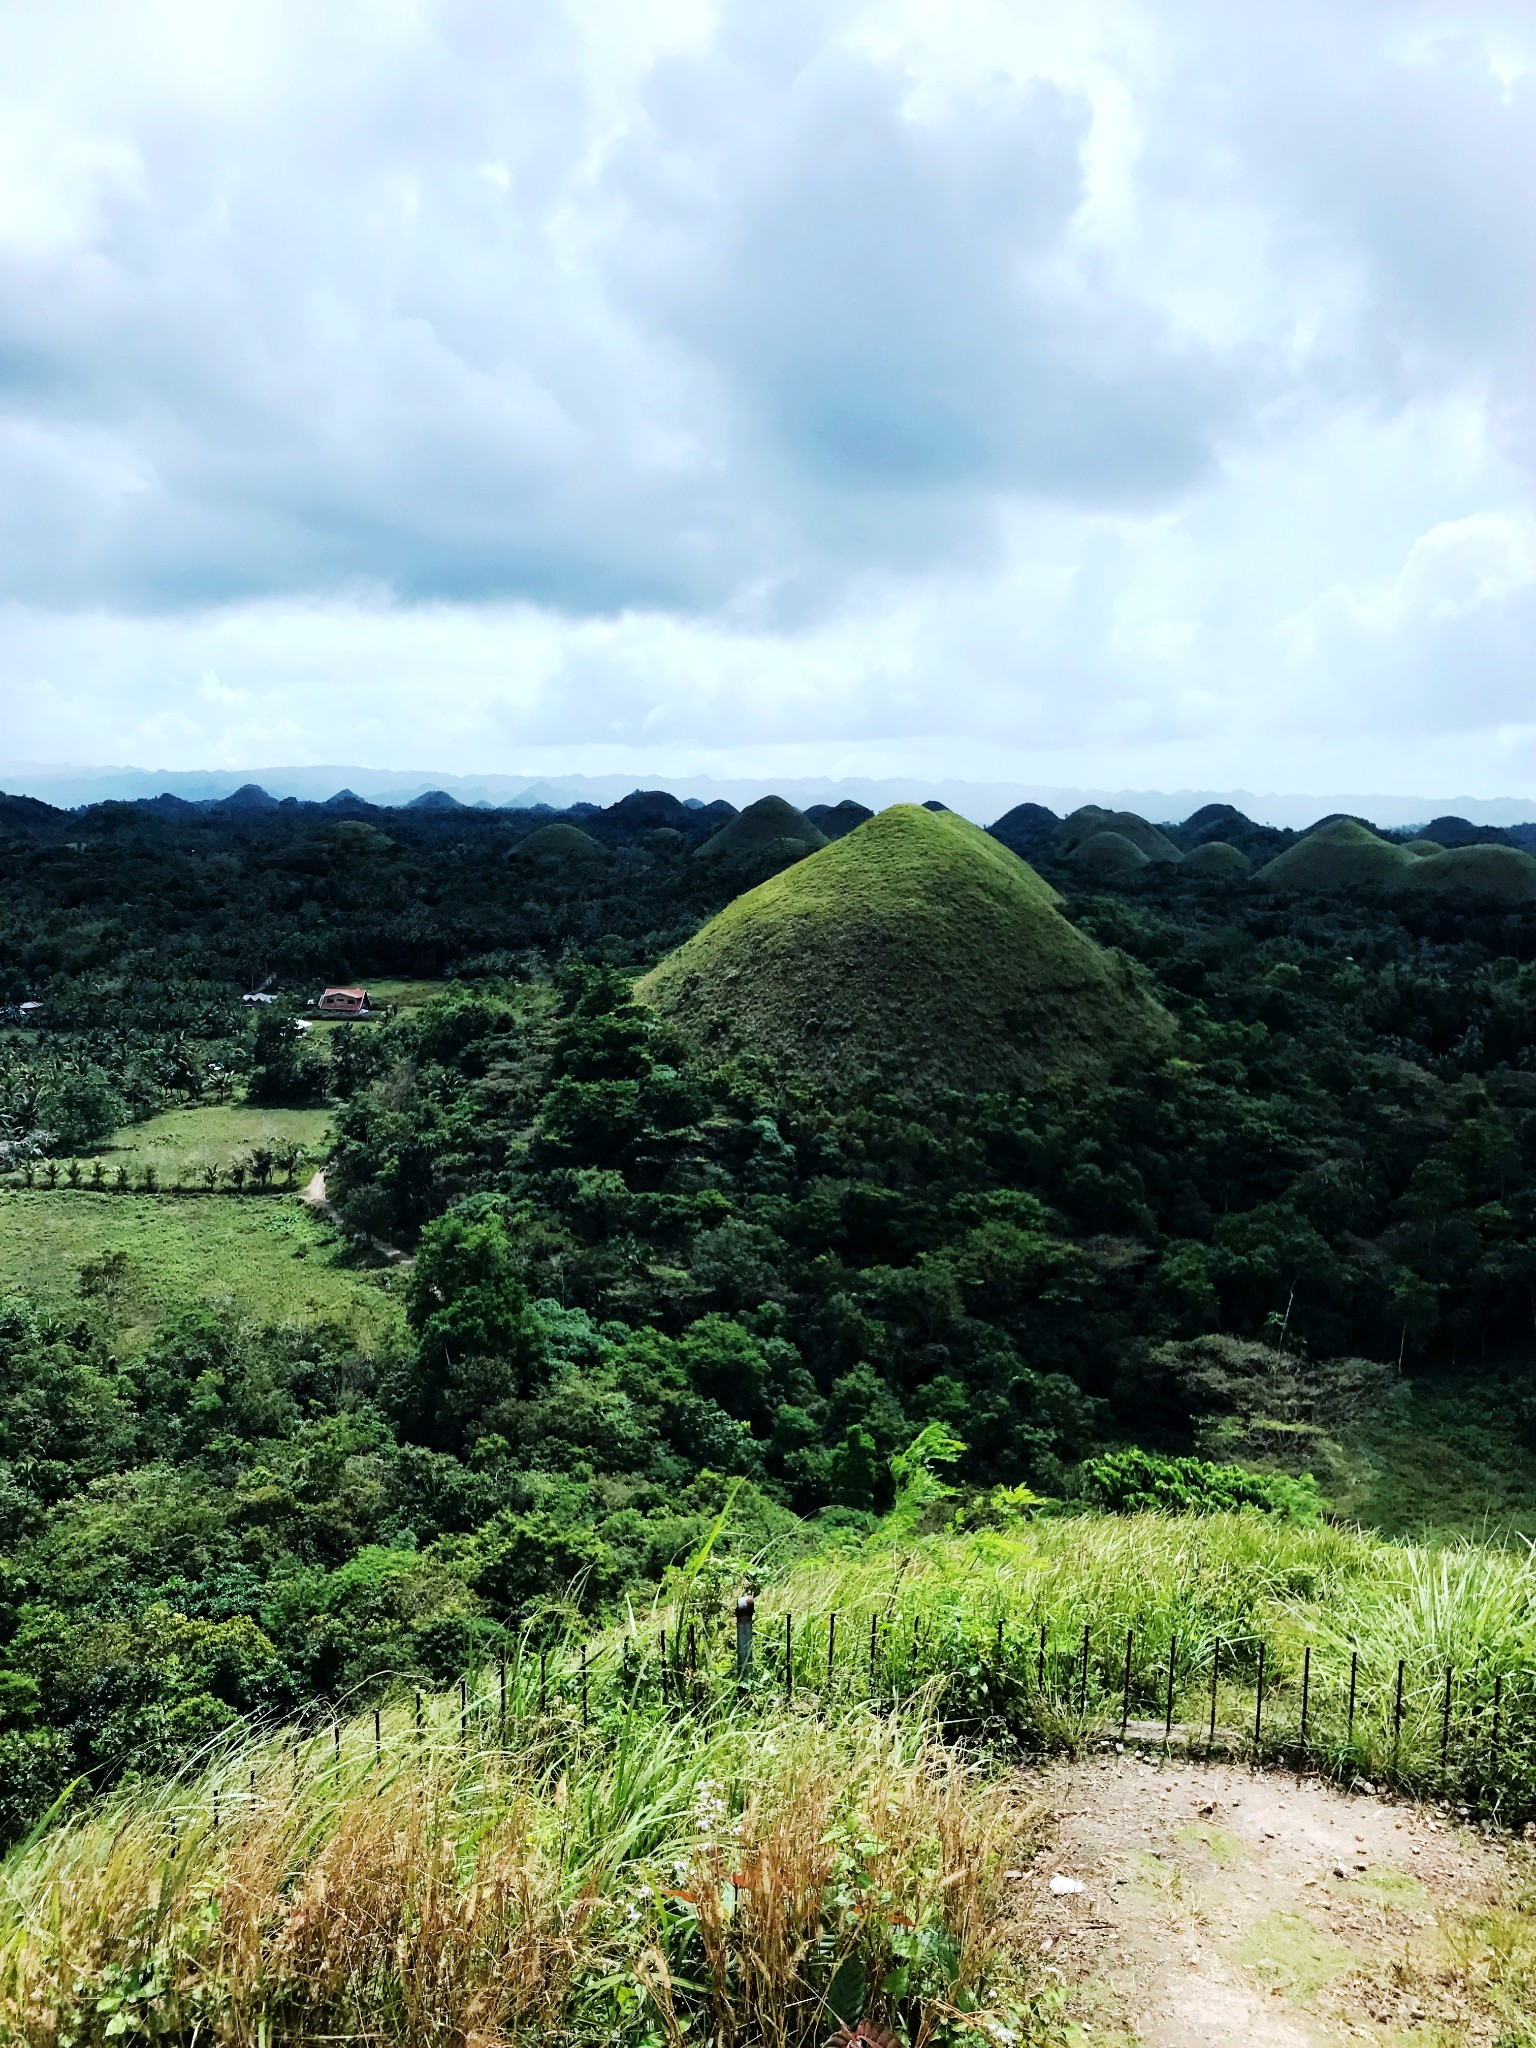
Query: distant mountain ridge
point(984, 802)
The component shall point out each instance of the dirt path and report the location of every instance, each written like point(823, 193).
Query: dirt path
point(314, 1195)
point(1221, 1908)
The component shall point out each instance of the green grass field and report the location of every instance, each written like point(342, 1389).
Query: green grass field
point(1455, 1460)
point(404, 995)
point(268, 1254)
point(183, 1141)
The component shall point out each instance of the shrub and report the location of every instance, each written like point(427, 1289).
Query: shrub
point(1137, 1482)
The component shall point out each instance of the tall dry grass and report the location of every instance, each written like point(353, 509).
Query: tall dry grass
point(746, 1879)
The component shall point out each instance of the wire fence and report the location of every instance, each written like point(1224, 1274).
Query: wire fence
point(1465, 1733)
point(1462, 1733)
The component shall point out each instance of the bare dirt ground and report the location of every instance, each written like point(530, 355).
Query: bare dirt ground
point(1222, 1908)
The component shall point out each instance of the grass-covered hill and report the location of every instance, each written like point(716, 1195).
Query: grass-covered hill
point(1218, 860)
point(837, 820)
point(1341, 854)
point(916, 951)
point(1107, 856)
point(560, 842)
point(1088, 822)
point(769, 829)
point(1493, 874)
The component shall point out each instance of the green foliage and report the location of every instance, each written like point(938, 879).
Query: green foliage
point(1138, 1482)
point(478, 1345)
point(80, 1108)
point(285, 1067)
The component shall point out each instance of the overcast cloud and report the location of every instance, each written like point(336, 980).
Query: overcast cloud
point(1125, 394)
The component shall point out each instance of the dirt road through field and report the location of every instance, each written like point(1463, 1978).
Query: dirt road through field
point(1223, 1908)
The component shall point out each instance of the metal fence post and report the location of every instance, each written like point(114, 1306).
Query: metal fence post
point(1445, 1724)
point(1354, 1673)
point(1082, 1690)
point(1306, 1693)
point(1173, 1646)
point(1258, 1701)
point(746, 1607)
point(1125, 1697)
point(1215, 1666)
point(1397, 1714)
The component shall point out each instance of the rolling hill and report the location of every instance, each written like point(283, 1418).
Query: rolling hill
point(1217, 860)
point(1088, 822)
point(915, 952)
point(770, 829)
point(1341, 854)
point(1107, 857)
point(561, 843)
point(1494, 874)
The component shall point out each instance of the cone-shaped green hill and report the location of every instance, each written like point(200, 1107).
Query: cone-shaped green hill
point(1218, 860)
point(1496, 874)
point(1087, 823)
point(915, 951)
point(768, 829)
point(1342, 854)
point(562, 842)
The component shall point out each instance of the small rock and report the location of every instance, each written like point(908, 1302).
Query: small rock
point(1061, 1886)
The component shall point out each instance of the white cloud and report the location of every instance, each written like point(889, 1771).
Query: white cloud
point(465, 381)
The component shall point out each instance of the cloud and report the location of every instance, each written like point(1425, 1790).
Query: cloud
point(729, 377)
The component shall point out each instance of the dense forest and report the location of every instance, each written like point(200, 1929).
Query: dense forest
point(628, 1273)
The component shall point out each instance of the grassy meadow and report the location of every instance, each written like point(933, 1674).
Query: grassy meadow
point(181, 1143)
point(267, 1254)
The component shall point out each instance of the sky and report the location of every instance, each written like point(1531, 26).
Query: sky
point(1116, 394)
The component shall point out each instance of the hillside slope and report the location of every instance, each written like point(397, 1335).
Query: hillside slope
point(916, 952)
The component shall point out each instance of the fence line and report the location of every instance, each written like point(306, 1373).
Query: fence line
point(1461, 1734)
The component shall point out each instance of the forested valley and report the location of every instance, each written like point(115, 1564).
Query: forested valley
point(337, 1354)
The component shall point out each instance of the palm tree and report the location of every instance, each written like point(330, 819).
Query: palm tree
point(72, 1173)
point(211, 1175)
point(237, 1172)
point(51, 1174)
point(98, 1174)
point(149, 1180)
point(262, 1163)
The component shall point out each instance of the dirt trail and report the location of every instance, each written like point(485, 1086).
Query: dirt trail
point(1222, 1908)
point(314, 1195)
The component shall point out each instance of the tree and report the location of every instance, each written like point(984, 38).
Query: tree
point(478, 1342)
point(80, 1108)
